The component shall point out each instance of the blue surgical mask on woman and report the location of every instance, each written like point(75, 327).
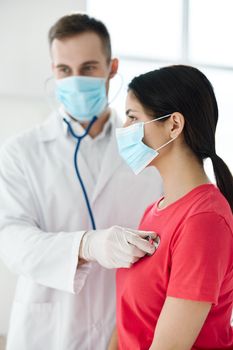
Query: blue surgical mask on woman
point(131, 147)
point(82, 97)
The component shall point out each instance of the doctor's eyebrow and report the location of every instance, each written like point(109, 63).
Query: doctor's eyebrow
point(89, 62)
point(61, 65)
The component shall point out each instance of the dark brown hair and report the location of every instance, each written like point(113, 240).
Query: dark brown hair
point(78, 23)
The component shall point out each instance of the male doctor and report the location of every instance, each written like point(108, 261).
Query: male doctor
point(66, 290)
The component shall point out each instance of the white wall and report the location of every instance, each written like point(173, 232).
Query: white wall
point(24, 66)
point(24, 60)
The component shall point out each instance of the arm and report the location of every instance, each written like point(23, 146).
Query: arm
point(113, 344)
point(51, 258)
point(47, 258)
point(179, 324)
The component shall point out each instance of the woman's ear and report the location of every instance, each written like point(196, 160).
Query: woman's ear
point(176, 124)
point(113, 68)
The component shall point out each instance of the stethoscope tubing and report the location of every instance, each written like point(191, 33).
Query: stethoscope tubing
point(80, 138)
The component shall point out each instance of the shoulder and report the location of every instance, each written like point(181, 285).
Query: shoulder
point(204, 220)
point(207, 234)
point(210, 207)
point(209, 223)
point(31, 138)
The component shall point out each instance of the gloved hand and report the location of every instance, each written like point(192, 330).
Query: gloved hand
point(116, 247)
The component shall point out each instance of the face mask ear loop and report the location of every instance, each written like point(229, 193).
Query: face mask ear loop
point(118, 91)
point(154, 120)
point(158, 149)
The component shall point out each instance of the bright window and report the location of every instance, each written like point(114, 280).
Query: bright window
point(136, 26)
point(211, 29)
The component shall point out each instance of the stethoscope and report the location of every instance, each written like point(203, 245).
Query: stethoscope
point(80, 138)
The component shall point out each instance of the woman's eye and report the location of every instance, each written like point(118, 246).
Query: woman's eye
point(132, 118)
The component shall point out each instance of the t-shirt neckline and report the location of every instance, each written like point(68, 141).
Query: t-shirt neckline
point(182, 199)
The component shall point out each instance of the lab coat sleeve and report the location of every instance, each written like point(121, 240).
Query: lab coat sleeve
point(48, 258)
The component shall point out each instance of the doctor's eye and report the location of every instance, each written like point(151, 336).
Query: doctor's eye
point(64, 70)
point(88, 69)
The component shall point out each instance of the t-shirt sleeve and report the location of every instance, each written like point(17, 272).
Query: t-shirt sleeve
point(201, 258)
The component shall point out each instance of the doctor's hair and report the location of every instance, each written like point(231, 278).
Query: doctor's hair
point(186, 90)
point(79, 23)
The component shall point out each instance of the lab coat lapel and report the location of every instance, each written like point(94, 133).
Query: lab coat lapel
point(51, 128)
point(111, 161)
point(54, 128)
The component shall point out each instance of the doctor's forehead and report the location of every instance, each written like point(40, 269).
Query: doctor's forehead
point(79, 48)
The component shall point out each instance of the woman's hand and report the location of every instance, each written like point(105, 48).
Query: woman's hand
point(113, 344)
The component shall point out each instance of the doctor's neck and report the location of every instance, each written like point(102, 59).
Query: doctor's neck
point(98, 125)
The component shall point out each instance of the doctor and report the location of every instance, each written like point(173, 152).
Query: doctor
point(59, 195)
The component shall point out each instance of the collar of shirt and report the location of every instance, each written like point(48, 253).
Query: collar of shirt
point(79, 130)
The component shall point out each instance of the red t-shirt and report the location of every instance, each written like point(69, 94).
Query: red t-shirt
point(194, 261)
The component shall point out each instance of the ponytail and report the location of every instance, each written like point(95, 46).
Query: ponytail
point(223, 178)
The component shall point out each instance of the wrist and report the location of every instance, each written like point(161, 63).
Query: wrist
point(85, 246)
point(82, 248)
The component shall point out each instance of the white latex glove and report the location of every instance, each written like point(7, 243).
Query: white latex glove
point(116, 247)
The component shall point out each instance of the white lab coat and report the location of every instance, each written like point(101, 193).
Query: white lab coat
point(42, 218)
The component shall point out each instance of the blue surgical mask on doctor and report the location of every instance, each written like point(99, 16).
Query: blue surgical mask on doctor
point(82, 97)
point(131, 147)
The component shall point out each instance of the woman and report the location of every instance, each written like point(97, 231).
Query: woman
point(181, 297)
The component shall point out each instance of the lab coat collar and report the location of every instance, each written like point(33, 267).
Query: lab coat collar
point(54, 126)
point(79, 130)
point(51, 128)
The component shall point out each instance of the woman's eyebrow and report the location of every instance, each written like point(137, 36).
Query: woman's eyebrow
point(129, 111)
